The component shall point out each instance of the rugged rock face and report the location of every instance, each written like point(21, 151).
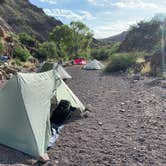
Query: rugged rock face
point(4, 25)
point(22, 16)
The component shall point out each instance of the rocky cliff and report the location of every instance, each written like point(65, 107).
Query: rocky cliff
point(21, 16)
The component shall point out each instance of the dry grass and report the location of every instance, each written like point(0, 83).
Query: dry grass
point(146, 69)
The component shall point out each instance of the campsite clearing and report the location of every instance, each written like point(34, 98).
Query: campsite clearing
point(126, 124)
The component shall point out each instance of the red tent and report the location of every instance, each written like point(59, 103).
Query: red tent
point(80, 61)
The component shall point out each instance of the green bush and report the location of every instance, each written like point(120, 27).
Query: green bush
point(2, 48)
point(48, 50)
point(21, 53)
point(121, 62)
point(105, 52)
point(114, 48)
point(27, 40)
point(100, 54)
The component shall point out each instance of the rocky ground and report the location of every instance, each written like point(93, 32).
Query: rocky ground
point(126, 124)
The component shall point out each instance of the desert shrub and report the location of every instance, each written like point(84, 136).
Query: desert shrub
point(100, 54)
point(114, 48)
point(121, 62)
point(105, 52)
point(21, 53)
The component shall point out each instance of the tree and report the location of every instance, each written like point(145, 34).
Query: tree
point(47, 50)
point(82, 35)
point(62, 36)
point(71, 39)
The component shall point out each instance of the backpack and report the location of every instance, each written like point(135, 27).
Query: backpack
point(61, 112)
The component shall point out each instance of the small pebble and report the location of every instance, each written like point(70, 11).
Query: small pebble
point(122, 110)
point(100, 123)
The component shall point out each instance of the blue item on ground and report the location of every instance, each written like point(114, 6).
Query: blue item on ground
point(4, 58)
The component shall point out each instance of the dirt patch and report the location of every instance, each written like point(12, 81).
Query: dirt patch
point(126, 124)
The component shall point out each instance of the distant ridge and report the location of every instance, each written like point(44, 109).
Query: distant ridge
point(116, 38)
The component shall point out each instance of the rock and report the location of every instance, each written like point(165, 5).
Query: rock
point(139, 101)
point(100, 123)
point(66, 161)
point(136, 77)
point(122, 110)
point(45, 158)
point(122, 103)
point(153, 95)
point(56, 162)
point(163, 84)
point(164, 110)
point(89, 107)
point(135, 81)
point(141, 140)
point(86, 114)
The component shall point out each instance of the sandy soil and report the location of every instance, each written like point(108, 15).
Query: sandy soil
point(126, 125)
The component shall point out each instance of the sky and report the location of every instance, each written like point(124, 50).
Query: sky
point(104, 17)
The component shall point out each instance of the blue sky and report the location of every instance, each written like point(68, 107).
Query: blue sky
point(104, 17)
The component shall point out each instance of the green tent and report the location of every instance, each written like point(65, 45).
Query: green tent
point(55, 66)
point(25, 110)
point(94, 65)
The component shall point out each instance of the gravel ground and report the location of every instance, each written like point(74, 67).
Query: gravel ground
point(126, 124)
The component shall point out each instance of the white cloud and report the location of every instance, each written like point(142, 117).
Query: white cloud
point(100, 2)
point(86, 15)
point(49, 1)
point(139, 4)
point(68, 14)
point(113, 28)
point(158, 5)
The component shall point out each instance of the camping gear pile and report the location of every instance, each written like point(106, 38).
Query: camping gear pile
point(25, 102)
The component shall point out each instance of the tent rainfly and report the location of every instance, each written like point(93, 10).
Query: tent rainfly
point(25, 110)
point(94, 65)
point(55, 66)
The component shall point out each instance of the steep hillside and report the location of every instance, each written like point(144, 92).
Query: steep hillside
point(117, 38)
point(22, 16)
point(5, 25)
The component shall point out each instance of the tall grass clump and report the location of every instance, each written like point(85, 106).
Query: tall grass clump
point(121, 62)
